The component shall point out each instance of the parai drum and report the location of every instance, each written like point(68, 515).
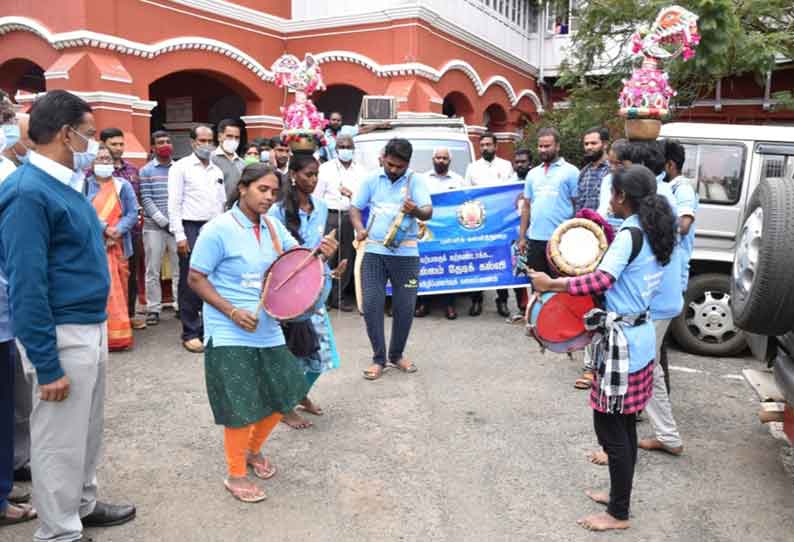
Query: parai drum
point(556, 321)
point(299, 296)
point(576, 247)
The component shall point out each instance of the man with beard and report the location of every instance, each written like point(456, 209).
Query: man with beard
point(550, 191)
point(279, 157)
point(392, 190)
point(489, 170)
point(596, 141)
point(440, 179)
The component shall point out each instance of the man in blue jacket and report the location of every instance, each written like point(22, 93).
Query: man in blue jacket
point(58, 285)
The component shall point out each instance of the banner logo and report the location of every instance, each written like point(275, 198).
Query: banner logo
point(471, 215)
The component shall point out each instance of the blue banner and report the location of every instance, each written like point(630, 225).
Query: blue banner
point(470, 243)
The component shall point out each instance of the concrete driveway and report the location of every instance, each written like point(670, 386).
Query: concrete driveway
point(486, 442)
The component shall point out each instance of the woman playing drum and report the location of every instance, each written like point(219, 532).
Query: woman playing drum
point(624, 349)
point(252, 378)
point(305, 217)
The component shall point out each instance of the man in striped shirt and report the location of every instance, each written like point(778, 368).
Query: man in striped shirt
point(157, 238)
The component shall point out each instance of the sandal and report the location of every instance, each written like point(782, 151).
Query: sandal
point(28, 514)
point(405, 366)
point(245, 495)
point(584, 382)
point(262, 467)
point(373, 374)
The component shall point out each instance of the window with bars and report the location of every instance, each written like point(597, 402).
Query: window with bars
point(521, 13)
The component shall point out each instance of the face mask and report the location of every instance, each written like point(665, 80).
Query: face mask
point(264, 156)
point(488, 155)
point(103, 171)
point(345, 155)
point(83, 160)
point(203, 152)
point(11, 135)
point(230, 145)
point(165, 151)
point(251, 160)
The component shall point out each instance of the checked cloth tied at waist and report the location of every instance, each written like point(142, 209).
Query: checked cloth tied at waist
point(610, 354)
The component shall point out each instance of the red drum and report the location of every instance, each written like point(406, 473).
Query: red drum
point(556, 321)
point(299, 295)
point(576, 247)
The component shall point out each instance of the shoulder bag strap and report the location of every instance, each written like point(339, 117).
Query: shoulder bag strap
point(273, 236)
point(636, 242)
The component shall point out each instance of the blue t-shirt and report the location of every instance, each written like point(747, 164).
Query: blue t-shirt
point(312, 226)
point(384, 199)
point(235, 263)
point(329, 151)
point(636, 284)
point(603, 203)
point(687, 201)
point(669, 301)
point(551, 194)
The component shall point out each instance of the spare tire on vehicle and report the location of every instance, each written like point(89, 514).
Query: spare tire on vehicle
point(762, 282)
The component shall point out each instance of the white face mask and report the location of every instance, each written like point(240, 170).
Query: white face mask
point(83, 160)
point(103, 171)
point(264, 156)
point(229, 146)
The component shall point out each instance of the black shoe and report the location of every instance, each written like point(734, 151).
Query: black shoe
point(452, 314)
point(421, 311)
point(108, 515)
point(501, 308)
point(476, 308)
point(22, 474)
point(152, 319)
point(346, 306)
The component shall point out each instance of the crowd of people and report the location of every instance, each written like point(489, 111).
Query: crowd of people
point(99, 236)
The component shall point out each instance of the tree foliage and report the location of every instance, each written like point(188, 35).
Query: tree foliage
point(738, 37)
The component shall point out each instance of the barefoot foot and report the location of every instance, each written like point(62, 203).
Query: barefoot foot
point(601, 497)
point(598, 457)
point(307, 405)
point(602, 522)
point(296, 421)
point(653, 444)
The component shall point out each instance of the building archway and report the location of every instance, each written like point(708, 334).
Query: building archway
point(20, 74)
point(345, 99)
point(191, 97)
point(494, 118)
point(456, 104)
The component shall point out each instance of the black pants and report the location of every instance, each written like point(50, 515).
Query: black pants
point(447, 299)
point(132, 282)
point(7, 362)
point(345, 236)
point(403, 271)
point(617, 435)
point(189, 301)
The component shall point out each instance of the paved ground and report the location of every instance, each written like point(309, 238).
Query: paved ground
point(486, 442)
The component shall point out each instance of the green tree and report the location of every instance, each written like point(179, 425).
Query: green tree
point(738, 37)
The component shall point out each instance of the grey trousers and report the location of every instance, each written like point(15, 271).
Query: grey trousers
point(156, 243)
point(659, 409)
point(66, 436)
point(23, 404)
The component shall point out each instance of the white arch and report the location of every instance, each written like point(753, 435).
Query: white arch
point(87, 38)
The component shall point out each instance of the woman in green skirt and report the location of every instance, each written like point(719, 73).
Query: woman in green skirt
point(252, 378)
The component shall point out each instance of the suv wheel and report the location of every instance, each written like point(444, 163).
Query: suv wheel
point(762, 285)
point(706, 326)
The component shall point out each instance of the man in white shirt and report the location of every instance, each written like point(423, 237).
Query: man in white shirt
point(337, 181)
point(489, 169)
point(196, 195)
point(440, 179)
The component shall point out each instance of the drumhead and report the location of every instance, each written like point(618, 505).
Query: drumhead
point(299, 295)
point(576, 247)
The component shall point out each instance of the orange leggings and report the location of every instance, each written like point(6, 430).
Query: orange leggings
point(239, 441)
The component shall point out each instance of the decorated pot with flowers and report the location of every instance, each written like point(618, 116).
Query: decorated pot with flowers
point(303, 125)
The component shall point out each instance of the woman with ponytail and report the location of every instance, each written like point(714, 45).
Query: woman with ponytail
point(311, 340)
point(624, 345)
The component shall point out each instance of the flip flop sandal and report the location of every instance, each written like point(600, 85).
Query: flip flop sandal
point(28, 515)
point(369, 374)
point(585, 382)
point(263, 470)
point(410, 368)
point(244, 495)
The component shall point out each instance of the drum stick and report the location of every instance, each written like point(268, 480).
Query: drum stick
point(261, 304)
point(331, 235)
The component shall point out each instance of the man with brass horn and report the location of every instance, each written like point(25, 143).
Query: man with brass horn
point(397, 198)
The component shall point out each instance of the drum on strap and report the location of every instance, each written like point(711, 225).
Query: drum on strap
point(556, 321)
point(576, 247)
point(293, 285)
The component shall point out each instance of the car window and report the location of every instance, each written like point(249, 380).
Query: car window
point(367, 153)
point(716, 170)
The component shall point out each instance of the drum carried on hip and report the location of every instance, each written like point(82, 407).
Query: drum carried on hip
point(577, 246)
point(293, 285)
point(556, 321)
